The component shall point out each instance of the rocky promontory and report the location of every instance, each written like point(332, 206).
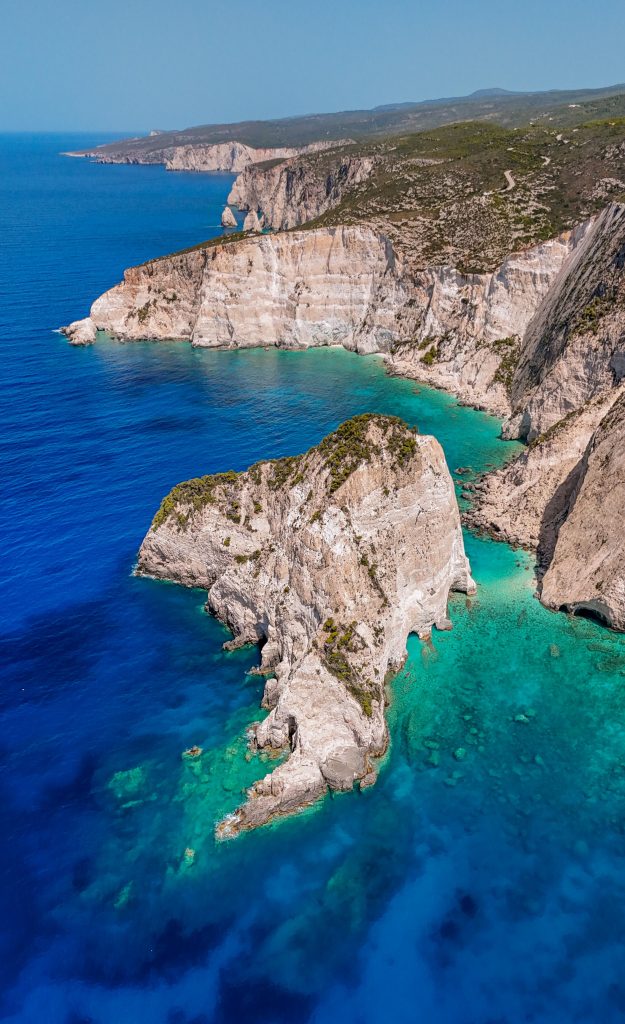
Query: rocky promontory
point(327, 561)
point(230, 156)
point(341, 286)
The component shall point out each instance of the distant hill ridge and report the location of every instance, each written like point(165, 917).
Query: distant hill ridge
point(507, 108)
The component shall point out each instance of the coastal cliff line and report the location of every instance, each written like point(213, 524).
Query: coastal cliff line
point(538, 341)
point(230, 156)
point(349, 286)
point(328, 561)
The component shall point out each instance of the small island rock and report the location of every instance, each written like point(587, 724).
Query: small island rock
point(228, 219)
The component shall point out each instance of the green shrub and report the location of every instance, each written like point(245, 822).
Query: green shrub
point(193, 495)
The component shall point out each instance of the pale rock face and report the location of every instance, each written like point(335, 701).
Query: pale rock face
point(527, 500)
point(341, 286)
point(475, 321)
point(574, 347)
point(228, 219)
point(224, 156)
point(80, 332)
point(330, 560)
point(292, 193)
point(344, 286)
point(230, 156)
point(587, 571)
point(252, 222)
point(336, 286)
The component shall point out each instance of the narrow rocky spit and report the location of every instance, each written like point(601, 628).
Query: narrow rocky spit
point(327, 561)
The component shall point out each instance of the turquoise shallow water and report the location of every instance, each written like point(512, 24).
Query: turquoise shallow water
point(481, 879)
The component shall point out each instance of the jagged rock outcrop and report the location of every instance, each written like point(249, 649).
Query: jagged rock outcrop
point(228, 219)
point(328, 560)
point(81, 332)
point(587, 570)
point(293, 192)
point(575, 346)
point(253, 222)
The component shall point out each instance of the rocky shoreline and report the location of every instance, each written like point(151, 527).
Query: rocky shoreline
point(327, 561)
point(344, 285)
point(538, 342)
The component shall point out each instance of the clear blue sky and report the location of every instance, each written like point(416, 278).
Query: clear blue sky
point(140, 64)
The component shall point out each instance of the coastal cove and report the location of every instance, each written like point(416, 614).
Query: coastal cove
point(480, 879)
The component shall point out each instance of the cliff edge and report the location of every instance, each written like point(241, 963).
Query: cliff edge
point(587, 571)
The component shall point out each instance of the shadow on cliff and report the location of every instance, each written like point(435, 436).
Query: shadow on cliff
point(555, 514)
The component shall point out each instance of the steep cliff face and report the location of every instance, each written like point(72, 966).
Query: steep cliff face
point(229, 156)
point(342, 286)
point(464, 332)
point(587, 570)
point(575, 346)
point(337, 286)
point(527, 500)
point(329, 560)
point(293, 192)
point(563, 497)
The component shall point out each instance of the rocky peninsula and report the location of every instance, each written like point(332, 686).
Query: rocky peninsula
point(327, 561)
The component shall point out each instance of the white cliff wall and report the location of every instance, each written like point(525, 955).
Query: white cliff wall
point(336, 286)
point(346, 286)
point(292, 192)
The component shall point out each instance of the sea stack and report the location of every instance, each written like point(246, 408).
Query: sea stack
point(252, 222)
point(228, 220)
point(327, 561)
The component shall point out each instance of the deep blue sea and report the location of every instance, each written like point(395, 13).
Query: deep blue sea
point(481, 881)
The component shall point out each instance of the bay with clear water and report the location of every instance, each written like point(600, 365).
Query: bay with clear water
point(481, 881)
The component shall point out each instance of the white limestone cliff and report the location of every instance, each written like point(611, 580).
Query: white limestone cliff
point(526, 501)
point(466, 330)
point(347, 286)
point(291, 192)
point(328, 561)
point(574, 347)
point(337, 286)
point(230, 156)
point(587, 569)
